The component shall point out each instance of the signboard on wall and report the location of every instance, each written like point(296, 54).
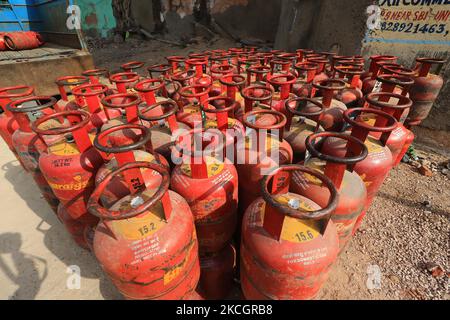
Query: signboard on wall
point(408, 27)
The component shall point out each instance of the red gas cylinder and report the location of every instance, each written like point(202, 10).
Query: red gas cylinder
point(23, 40)
point(124, 81)
point(306, 71)
point(369, 78)
point(374, 66)
point(352, 95)
point(393, 83)
point(424, 91)
point(65, 86)
point(245, 62)
point(200, 65)
point(263, 149)
point(257, 74)
point(132, 66)
point(2, 42)
point(288, 242)
point(177, 63)
point(8, 125)
point(152, 235)
point(256, 95)
point(352, 190)
point(321, 74)
point(120, 108)
point(70, 164)
point(217, 72)
point(375, 168)
point(189, 104)
point(161, 70)
point(163, 126)
point(264, 58)
point(278, 67)
point(209, 184)
point(216, 273)
point(299, 124)
point(152, 90)
point(332, 118)
point(27, 144)
point(131, 147)
point(395, 105)
point(98, 76)
point(221, 113)
point(233, 84)
point(283, 83)
point(89, 97)
point(184, 78)
point(301, 53)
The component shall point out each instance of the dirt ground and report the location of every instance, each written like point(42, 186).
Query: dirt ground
point(401, 251)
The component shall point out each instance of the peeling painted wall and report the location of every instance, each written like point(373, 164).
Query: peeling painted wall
point(97, 17)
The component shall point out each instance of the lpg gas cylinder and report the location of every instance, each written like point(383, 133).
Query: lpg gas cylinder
point(223, 113)
point(283, 83)
point(256, 95)
point(133, 66)
point(233, 83)
point(132, 146)
point(332, 118)
point(120, 108)
point(321, 73)
point(177, 63)
point(395, 105)
point(189, 104)
point(152, 235)
point(200, 65)
point(306, 71)
point(375, 167)
point(158, 71)
point(352, 190)
point(299, 124)
point(263, 149)
point(152, 91)
point(257, 75)
point(209, 183)
point(98, 76)
point(352, 95)
point(216, 273)
point(288, 242)
point(27, 144)
point(424, 91)
point(70, 164)
point(89, 97)
point(65, 86)
point(374, 67)
point(164, 126)
point(124, 81)
point(8, 124)
point(217, 72)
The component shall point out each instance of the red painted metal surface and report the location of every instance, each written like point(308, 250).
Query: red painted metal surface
point(352, 95)
point(126, 143)
point(306, 71)
point(260, 153)
point(146, 242)
point(299, 124)
point(283, 86)
point(25, 40)
point(351, 188)
point(256, 95)
point(376, 166)
point(8, 124)
point(216, 273)
point(65, 85)
point(70, 164)
point(424, 91)
point(332, 118)
point(189, 104)
point(124, 81)
point(288, 241)
point(210, 186)
point(395, 105)
point(29, 147)
point(120, 108)
point(132, 66)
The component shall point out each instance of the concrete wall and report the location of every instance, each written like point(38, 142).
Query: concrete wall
point(245, 19)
